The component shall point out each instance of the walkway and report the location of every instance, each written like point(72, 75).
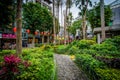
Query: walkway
point(67, 70)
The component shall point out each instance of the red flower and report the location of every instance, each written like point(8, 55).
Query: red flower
point(12, 59)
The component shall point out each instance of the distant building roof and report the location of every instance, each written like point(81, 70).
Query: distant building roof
point(116, 3)
point(112, 28)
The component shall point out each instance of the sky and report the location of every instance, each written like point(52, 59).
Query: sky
point(75, 10)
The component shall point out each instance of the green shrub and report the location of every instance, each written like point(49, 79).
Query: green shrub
point(105, 49)
point(42, 64)
point(42, 67)
point(38, 45)
point(87, 51)
point(108, 74)
point(60, 51)
point(74, 42)
point(114, 41)
point(10, 67)
point(85, 44)
point(104, 46)
point(88, 64)
point(73, 50)
point(47, 47)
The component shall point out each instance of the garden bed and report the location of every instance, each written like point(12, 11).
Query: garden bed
point(41, 66)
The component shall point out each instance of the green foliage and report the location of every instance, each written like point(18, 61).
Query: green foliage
point(42, 65)
point(114, 41)
point(99, 47)
point(61, 49)
point(105, 49)
point(97, 70)
point(10, 67)
point(108, 74)
point(83, 5)
point(6, 13)
point(38, 45)
point(72, 50)
point(47, 47)
point(85, 44)
point(76, 25)
point(87, 51)
point(94, 16)
point(37, 17)
point(89, 64)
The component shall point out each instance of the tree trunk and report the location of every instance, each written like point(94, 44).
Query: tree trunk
point(58, 15)
point(33, 41)
point(84, 27)
point(48, 39)
point(19, 27)
point(54, 32)
point(65, 26)
point(43, 39)
point(102, 19)
point(61, 21)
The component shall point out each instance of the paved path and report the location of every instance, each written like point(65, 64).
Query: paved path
point(67, 70)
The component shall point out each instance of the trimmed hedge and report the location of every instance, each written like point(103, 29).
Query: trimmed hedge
point(95, 69)
point(88, 64)
point(108, 74)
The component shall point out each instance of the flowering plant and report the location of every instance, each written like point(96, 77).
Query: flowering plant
point(10, 67)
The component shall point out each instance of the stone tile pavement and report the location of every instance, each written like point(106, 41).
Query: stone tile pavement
point(67, 70)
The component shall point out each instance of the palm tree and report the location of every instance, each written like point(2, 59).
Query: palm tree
point(102, 19)
point(19, 27)
point(83, 5)
point(54, 32)
point(68, 6)
point(58, 5)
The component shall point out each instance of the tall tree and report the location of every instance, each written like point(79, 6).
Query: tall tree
point(61, 4)
point(37, 17)
point(68, 4)
point(6, 13)
point(19, 27)
point(102, 19)
point(94, 16)
point(77, 24)
point(83, 6)
point(54, 32)
point(58, 10)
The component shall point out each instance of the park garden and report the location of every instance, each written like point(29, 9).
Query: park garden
point(37, 20)
point(33, 64)
point(99, 61)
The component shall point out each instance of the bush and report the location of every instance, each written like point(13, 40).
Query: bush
point(47, 47)
point(85, 44)
point(10, 68)
point(108, 74)
point(111, 62)
point(97, 70)
point(42, 67)
point(88, 64)
point(72, 50)
point(38, 45)
point(87, 51)
point(114, 41)
point(104, 49)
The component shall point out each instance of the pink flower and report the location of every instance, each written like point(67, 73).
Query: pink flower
point(12, 59)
